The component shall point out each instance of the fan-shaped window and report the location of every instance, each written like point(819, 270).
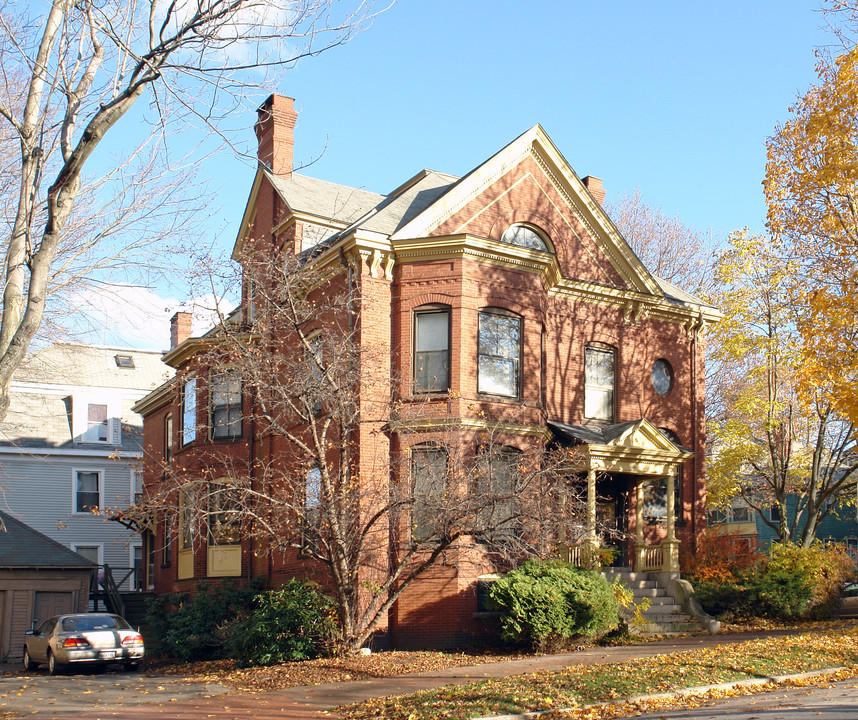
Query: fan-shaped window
point(526, 237)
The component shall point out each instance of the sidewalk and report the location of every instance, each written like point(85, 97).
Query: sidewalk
point(315, 702)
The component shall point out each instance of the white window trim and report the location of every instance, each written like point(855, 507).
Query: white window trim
point(80, 417)
point(131, 548)
point(100, 546)
point(74, 472)
point(135, 474)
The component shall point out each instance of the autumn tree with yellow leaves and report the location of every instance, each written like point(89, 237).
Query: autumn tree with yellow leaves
point(811, 188)
point(775, 438)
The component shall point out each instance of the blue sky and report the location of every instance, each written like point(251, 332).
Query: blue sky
point(674, 98)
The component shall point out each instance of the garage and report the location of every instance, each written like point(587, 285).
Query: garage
point(40, 578)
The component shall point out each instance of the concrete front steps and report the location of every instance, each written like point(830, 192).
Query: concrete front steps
point(666, 614)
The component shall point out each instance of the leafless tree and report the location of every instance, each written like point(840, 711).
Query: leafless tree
point(70, 72)
point(669, 248)
point(481, 496)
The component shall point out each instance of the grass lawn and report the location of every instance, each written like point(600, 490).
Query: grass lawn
point(585, 685)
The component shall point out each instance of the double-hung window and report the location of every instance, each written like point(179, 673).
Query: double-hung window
point(87, 490)
point(189, 411)
point(499, 353)
point(599, 382)
point(225, 400)
point(96, 422)
point(428, 471)
point(495, 491)
point(432, 350)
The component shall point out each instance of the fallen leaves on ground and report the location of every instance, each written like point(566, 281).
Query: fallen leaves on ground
point(324, 670)
point(592, 685)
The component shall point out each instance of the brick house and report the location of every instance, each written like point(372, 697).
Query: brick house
point(505, 298)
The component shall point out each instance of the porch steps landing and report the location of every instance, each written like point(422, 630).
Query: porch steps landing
point(664, 616)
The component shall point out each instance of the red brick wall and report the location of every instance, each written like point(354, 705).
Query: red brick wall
point(439, 609)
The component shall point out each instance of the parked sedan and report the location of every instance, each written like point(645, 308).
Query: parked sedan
point(82, 639)
point(849, 601)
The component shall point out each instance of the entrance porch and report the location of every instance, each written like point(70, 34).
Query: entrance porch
point(630, 464)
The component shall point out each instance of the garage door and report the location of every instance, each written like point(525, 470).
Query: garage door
point(49, 604)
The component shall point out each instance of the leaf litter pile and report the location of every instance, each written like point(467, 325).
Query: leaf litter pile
point(578, 687)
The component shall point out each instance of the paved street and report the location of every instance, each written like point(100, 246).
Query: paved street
point(838, 702)
point(118, 695)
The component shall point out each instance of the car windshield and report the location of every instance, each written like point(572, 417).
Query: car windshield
point(87, 623)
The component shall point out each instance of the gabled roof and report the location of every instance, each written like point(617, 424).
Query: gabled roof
point(536, 142)
point(423, 202)
point(23, 547)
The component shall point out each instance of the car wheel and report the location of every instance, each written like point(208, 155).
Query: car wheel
point(132, 666)
point(28, 661)
point(53, 665)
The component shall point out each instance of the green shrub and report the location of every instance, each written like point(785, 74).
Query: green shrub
point(294, 622)
point(790, 582)
point(545, 603)
point(825, 567)
point(189, 626)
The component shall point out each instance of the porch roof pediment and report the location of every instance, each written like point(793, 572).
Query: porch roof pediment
point(636, 448)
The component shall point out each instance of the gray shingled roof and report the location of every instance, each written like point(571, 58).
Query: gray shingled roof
point(92, 365)
point(676, 294)
point(398, 210)
point(324, 199)
point(595, 435)
point(23, 547)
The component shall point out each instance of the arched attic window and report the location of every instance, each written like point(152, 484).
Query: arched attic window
point(526, 236)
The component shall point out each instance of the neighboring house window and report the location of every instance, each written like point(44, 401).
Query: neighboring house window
point(90, 552)
point(526, 237)
point(96, 423)
point(499, 352)
point(225, 399)
point(168, 439)
point(599, 382)
point(87, 484)
point(428, 470)
point(775, 513)
point(432, 350)
point(136, 486)
point(189, 411)
point(137, 577)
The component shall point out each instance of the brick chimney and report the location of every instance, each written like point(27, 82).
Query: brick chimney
point(275, 134)
point(180, 328)
point(594, 185)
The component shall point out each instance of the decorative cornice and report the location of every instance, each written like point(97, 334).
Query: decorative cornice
point(159, 397)
point(464, 423)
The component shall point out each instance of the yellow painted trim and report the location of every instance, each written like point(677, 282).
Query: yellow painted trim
point(223, 561)
point(475, 424)
point(185, 569)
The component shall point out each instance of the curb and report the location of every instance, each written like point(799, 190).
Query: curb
point(683, 692)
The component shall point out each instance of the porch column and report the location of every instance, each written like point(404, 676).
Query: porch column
point(639, 541)
point(671, 544)
point(591, 542)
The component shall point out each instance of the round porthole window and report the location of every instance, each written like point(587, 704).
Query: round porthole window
point(662, 377)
